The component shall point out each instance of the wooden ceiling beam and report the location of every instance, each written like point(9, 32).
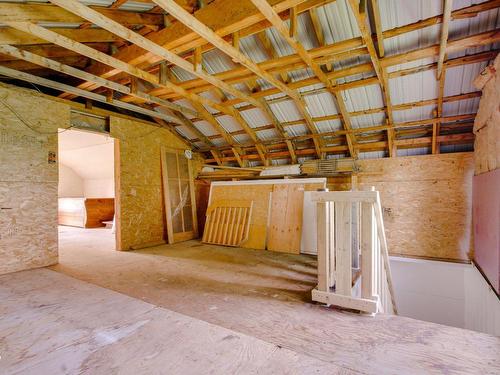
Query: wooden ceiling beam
point(62, 68)
point(459, 138)
point(133, 37)
point(217, 15)
point(180, 39)
point(79, 62)
point(207, 33)
point(212, 37)
point(280, 26)
point(55, 51)
point(460, 61)
point(93, 54)
point(441, 72)
point(30, 12)
point(378, 27)
point(115, 63)
point(360, 15)
point(454, 120)
point(288, 63)
point(318, 32)
point(16, 37)
point(85, 94)
point(448, 4)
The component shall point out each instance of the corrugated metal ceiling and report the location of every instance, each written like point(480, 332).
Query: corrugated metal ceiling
point(338, 24)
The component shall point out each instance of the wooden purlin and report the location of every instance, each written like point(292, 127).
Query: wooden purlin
point(106, 59)
point(180, 39)
point(26, 12)
point(86, 94)
point(468, 12)
point(67, 43)
point(380, 145)
point(480, 57)
point(135, 38)
point(195, 68)
point(51, 64)
point(205, 32)
point(289, 36)
point(252, 25)
point(293, 61)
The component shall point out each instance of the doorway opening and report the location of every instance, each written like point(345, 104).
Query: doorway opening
point(86, 191)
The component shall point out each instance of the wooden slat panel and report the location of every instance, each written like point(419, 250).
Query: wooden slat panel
point(228, 223)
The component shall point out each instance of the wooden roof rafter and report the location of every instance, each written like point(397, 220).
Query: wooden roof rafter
point(288, 35)
point(358, 8)
point(193, 68)
point(441, 71)
point(264, 150)
point(208, 34)
point(117, 64)
point(403, 106)
point(33, 12)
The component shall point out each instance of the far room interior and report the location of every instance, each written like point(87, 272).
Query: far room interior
point(250, 187)
point(86, 187)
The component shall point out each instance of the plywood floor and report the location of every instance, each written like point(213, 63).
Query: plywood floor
point(266, 295)
point(53, 324)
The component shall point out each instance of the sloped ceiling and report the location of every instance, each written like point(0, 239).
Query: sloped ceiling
point(88, 154)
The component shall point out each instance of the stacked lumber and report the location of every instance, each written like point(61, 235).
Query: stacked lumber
point(328, 167)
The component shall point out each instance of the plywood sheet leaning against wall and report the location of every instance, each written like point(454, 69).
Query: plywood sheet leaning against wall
point(426, 202)
point(139, 195)
point(285, 223)
point(487, 121)
point(258, 191)
point(28, 178)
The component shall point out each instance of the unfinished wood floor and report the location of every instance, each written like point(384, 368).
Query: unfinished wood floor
point(53, 324)
point(266, 295)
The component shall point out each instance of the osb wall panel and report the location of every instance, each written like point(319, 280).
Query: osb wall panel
point(260, 195)
point(426, 202)
point(487, 121)
point(28, 178)
point(139, 184)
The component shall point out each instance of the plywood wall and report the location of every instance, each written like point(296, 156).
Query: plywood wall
point(28, 178)
point(139, 184)
point(427, 202)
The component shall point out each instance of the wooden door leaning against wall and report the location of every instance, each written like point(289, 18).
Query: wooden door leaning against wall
point(178, 190)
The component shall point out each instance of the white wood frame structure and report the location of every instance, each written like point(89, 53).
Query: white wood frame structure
point(335, 252)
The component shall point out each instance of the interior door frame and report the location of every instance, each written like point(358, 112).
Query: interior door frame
point(182, 236)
